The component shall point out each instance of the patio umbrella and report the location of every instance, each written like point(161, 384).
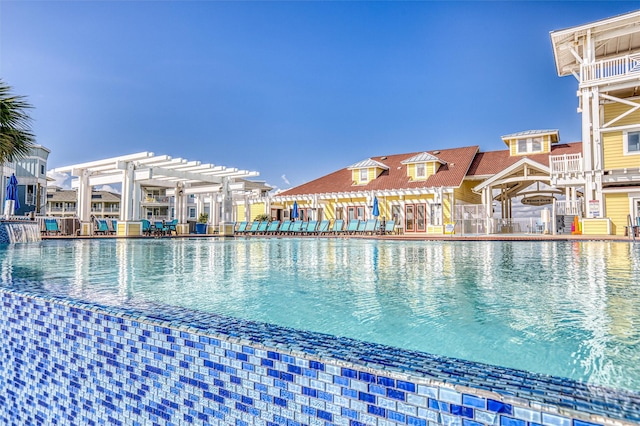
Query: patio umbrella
point(294, 211)
point(376, 211)
point(11, 203)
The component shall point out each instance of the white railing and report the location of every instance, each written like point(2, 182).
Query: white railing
point(569, 208)
point(610, 68)
point(156, 199)
point(566, 163)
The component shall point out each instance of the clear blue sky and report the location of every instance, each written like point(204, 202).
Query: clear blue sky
point(298, 89)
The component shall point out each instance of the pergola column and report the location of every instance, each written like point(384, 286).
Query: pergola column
point(226, 223)
point(84, 202)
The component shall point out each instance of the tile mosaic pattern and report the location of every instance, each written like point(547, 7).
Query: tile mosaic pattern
point(77, 363)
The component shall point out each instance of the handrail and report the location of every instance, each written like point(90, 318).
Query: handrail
point(610, 68)
point(565, 163)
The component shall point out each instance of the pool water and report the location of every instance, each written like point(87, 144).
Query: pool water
point(569, 309)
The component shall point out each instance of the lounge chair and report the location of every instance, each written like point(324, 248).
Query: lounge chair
point(284, 228)
point(361, 226)
point(159, 228)
point(146, 227)
point(114, 226)
point(389, 226)
point(370, 226)
point(101, 227)
point(273, 227)
point(311, 227)
point(254, 227)
point(172, 226)
point(295, 227)
point(352, 227)
point(262, 228)
point(338, 226)
point(51, 226)
point(323, 228)
point(242, 228)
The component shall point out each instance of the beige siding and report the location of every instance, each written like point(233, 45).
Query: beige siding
point(613, 110)
point(617, 208)
point(465, 194)
point(613, 152)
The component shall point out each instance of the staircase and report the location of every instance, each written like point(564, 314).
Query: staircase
point(563, 223)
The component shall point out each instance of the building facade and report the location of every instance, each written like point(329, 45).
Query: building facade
point(604, 58)
point(31, 173)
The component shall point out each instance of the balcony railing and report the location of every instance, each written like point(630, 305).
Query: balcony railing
point(163, 199)
point(566, 163)
point(573, 208)
point(610, 69)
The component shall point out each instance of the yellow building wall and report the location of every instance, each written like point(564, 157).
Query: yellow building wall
point(240, 211)
point(372, 173)
point(617, 208)
point(595, 227)
point(613, 110)
point(613, 153)
point(430, 169)
point(466, 195)
point(256, 209)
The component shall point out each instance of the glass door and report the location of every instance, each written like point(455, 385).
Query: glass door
point(409, 218)
point(420, 217)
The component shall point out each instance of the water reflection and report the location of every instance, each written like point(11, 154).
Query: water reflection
point(564, 308)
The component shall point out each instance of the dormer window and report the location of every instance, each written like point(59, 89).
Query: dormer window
point(422, 166)
point(529, 145)
point(366, 170)
point(531, 141)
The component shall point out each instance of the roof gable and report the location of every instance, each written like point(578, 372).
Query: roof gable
point(423, 157)
point(366, 164)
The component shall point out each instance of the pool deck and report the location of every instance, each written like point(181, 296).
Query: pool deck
point(400, 237)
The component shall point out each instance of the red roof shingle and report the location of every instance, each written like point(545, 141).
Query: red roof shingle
point(450, 174)
point(492, 162)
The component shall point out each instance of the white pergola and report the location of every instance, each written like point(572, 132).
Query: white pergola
point(145, 169)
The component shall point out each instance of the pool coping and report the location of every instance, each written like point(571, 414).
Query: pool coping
point(551, 394)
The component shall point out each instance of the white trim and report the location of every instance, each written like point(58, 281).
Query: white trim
point(500, 175)
point(625, 142)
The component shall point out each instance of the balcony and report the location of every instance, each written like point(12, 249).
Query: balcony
point(566, 163)
point(610, 70)
point(156, 199)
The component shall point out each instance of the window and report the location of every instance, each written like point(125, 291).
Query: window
point(632, 142)
point(42, 169)
point(192, 212)
point(364, 175)
point(421, 170)
point(529, 145)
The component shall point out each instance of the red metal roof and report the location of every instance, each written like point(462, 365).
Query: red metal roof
point(450, 174)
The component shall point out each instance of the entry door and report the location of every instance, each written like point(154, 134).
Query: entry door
point(421, 217)
point(409, 214)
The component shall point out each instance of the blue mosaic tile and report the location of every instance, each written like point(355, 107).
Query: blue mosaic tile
point(152, 363)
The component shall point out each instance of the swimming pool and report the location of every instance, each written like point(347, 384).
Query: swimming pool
point(173, 332)
point(568, 309)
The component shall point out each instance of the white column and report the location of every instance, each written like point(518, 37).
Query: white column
point(226, 225)
point(84, 201)
point(128, 183)
point(199, 205)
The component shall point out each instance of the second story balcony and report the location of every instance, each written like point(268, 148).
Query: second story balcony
point(566, 163)
point(611, 70)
